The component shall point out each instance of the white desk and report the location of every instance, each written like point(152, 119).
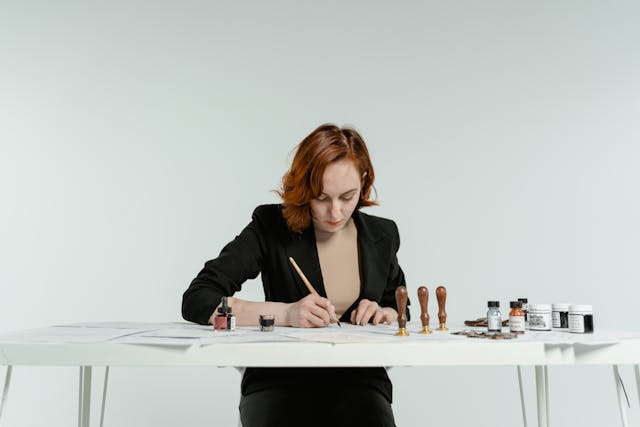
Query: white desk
point(438, 349)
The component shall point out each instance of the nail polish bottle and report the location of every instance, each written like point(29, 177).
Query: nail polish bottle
point(221, 319)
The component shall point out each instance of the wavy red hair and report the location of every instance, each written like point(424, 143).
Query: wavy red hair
point(303, 181)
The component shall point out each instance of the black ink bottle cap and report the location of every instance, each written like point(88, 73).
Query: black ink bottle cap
point(493, 304)
point(224, 309)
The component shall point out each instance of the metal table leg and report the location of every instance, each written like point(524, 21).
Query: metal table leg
point(621, 396)
point(541, 395)
point(546, 392)
point(104, 395)
point(524, 410)
point(636, 368)
point(84, 402)
point(7, 383)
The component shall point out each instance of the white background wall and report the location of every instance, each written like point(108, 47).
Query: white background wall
point(136, 138)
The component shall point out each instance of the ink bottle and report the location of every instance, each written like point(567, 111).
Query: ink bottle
point(581, 319)
point(560, 316)
point(221, 320)
point(525, 309)
point(516, 318)
point(494, 317)
point(540, 317)
point(267, 322)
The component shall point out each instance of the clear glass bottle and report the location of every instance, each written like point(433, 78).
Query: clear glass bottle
point(494, 317)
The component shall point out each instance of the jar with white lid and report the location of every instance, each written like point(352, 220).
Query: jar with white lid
point(560, 316)
point(581, 319)
point(540, 317)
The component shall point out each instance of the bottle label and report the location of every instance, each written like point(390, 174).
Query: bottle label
point(576, 323)
point(232, 323)
point(516, 323)
point(494, 323)
point(555, 319)
point(540, 321)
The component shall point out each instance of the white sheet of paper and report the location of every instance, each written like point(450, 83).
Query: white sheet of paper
point(64, 334)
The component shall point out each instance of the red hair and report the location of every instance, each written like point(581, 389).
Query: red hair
point(303, 181)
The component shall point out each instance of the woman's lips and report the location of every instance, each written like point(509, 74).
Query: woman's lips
point(334, 223)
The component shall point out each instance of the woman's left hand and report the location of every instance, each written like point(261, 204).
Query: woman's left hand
point(370, 311)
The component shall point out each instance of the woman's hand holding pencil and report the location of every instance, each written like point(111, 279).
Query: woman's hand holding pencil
point(312, 310)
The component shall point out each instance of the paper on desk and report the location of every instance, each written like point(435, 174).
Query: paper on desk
point(347, 334)
point(64, 334)
point(147, 326)
point(199, 335)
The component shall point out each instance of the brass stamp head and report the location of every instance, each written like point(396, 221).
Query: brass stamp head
point(443, 327)
point(402, 332)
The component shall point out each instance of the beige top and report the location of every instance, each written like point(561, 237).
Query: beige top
point(338, 254)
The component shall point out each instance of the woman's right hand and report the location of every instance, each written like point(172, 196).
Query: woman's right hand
point(312, 311)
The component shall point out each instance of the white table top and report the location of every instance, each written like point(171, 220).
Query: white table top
point(182, 344)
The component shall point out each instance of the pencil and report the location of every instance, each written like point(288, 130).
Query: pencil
point(306, 282)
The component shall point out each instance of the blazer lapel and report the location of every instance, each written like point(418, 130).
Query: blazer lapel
point(372, 258)
point(304, 251)
point(371, 253)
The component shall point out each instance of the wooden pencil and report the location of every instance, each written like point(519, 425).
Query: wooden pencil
point(307, 283)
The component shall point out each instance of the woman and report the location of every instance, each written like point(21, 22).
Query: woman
point(350, 259)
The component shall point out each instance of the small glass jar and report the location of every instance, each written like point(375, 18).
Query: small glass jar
point(540, 317)
point(494, 317)
point(516, 318)
point(267, 322)
point(560, 316)
point(581, 319)
point(525, 308)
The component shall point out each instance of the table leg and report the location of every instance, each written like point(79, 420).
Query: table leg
point(540, 394)
point(84, 402)
point(524, 411)
point(621, 396)
point(546, 392)
point(637, 369)
point(5, 393)
point(104, 394)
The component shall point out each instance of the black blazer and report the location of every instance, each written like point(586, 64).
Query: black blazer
point(266, 244)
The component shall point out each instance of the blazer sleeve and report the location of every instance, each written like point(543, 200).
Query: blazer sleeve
point(396, 275)
point(240, 260)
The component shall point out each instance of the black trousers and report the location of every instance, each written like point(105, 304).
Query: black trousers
point(317, 397)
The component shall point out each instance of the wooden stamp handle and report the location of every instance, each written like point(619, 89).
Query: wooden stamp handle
point(423, 297)
point(401, 301)
point(441, 295)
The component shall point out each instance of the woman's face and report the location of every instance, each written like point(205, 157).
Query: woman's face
point(341, 186)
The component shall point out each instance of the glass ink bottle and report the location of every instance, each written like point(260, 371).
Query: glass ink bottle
point(494, 317)
point(516, 318)
point(267, 322)
point(525, 309)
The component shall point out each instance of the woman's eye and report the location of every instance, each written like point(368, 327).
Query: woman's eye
point(347, 198)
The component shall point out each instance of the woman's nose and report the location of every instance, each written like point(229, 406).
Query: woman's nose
point(336, 210)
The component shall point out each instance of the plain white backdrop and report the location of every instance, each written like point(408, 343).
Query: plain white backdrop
point(137, 137)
